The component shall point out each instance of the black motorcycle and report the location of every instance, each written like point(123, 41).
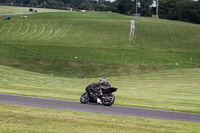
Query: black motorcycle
point(92, 95)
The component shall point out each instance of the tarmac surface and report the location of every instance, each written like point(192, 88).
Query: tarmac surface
point(14, 13)
point(96, 108)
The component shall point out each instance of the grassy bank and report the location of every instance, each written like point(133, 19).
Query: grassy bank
point(174, 90)
point(27, 119)
point(101, 39)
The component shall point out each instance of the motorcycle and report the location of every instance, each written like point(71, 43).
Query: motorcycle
point(93, 95)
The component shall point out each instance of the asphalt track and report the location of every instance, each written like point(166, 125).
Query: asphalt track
point(96, 108)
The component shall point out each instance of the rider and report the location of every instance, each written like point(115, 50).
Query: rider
point(103, 84)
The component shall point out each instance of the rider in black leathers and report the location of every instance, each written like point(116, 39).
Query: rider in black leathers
point(103, 84)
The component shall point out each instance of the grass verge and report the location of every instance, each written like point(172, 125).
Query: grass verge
point(174, 90)
point(27, 119)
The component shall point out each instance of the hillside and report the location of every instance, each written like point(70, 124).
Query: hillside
point(96, 44)
point(40, 54)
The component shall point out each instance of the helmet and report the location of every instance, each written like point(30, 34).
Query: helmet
point(102, 80)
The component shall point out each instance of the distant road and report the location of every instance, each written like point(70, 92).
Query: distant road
point(13, 13)
point(96, 108)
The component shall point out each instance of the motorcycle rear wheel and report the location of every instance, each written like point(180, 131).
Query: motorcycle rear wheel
point(108, 100)
point(84, 98)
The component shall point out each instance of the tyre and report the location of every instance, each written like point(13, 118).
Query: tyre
point(108, 100)
point(84, 98)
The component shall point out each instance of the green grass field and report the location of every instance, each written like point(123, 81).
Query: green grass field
point(59, 38)
point(174, 90)
point(95, 44)
point(32, 120)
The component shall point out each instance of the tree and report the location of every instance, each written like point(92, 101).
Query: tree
point(183, 10)
point(44, 4)
point(85, 4)
point(196, 11)
point(52, 3)
point(126, 6)
point(145, 8)
point(61, 4)
point(167, 9)
point(99, 6)
point(33, 2)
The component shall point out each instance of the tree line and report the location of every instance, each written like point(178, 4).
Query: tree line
point(101, 5)
point(183, 10)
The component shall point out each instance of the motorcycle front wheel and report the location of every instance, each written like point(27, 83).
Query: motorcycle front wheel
point(108, 100)
point(84, 98)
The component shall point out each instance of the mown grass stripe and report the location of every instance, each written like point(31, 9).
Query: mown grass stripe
point(35, 29)
point(8, 31)
point(18, 29)
point(49, 32)
point(2, 27)
point(39, 32)
point(64, 34)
